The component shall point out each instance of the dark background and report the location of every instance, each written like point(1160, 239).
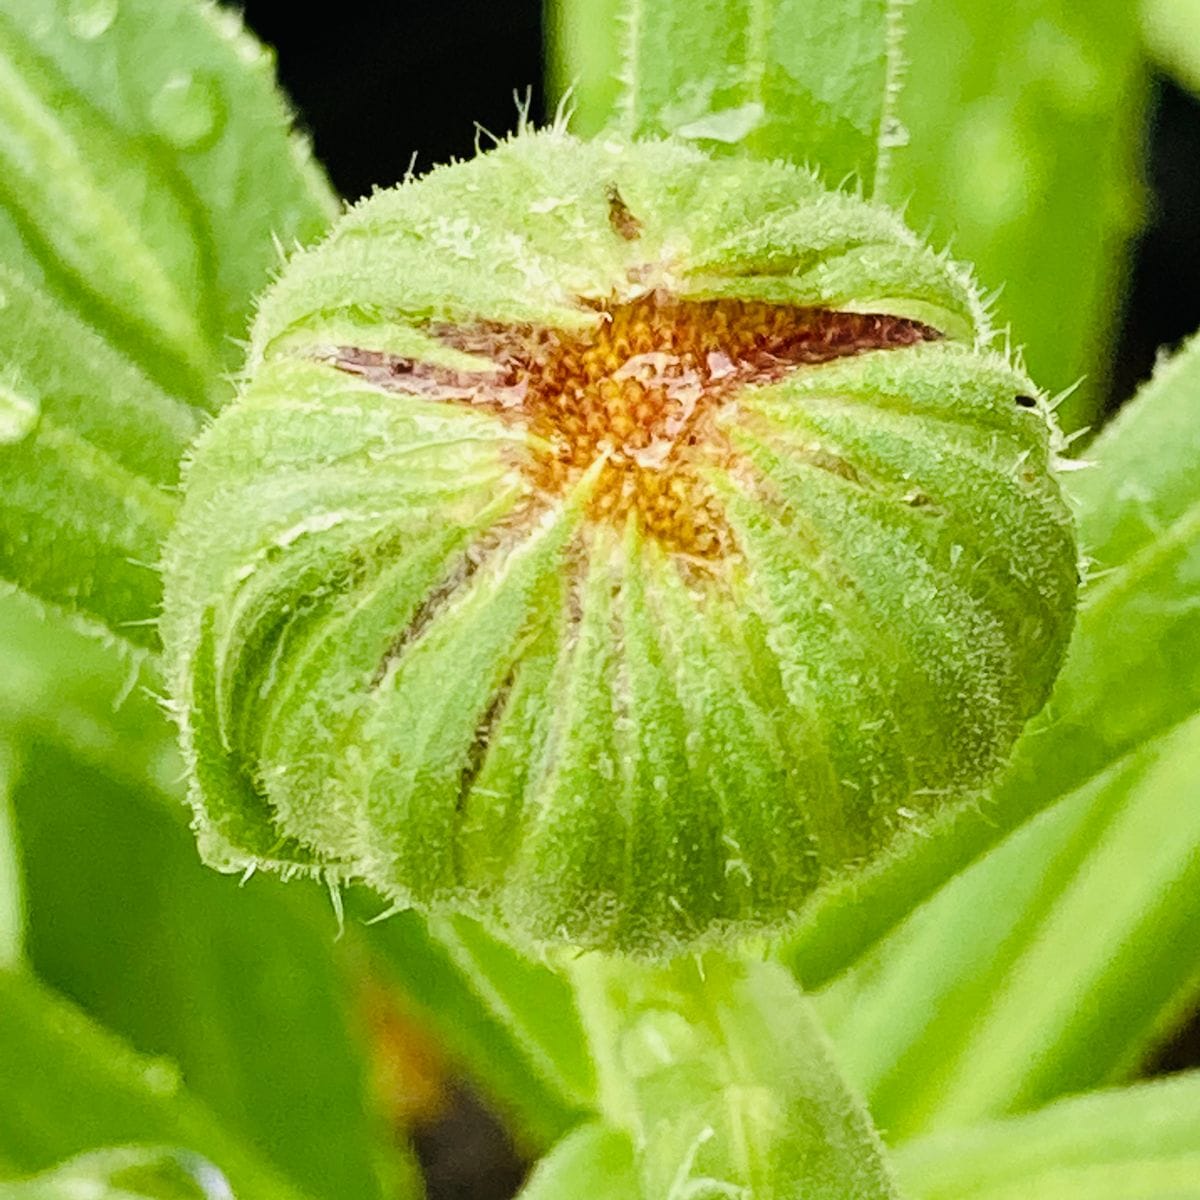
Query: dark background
point(376, 84)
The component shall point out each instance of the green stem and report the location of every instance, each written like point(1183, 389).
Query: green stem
point(721, 1074)
point(583, 61)
point(12, 909)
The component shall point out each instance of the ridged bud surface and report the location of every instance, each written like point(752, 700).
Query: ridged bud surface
point(613, 542)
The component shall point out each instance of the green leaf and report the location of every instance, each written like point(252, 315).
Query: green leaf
point(812, 83)
point(1171, 29)
point(149, 208)
point(1024, 122)
point(136, 226)
point(88, 696)
point(125, 1173)
point(1130, 671)
point(720, 1073)
point(509, 1021)
point(69, 1086)
point(239, 986)
point(228, 982)
point(593, 1161)
point(1051, 964)
point(89, 449)
point(1138, 1143)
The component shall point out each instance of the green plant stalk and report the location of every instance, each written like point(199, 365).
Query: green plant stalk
point(719, 1071)
point(583, 61)
point(12, 905)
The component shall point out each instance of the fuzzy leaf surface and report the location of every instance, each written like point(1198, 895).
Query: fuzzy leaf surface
point(136, 225)
point(88, 453)
point(147, 164)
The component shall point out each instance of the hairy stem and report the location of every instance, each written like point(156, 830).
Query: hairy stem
point(721, 1074)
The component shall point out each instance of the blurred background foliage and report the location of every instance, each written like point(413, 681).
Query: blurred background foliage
point(1056, 145)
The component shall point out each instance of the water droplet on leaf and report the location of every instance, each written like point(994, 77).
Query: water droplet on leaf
point(730, 125)
point(162, 1077)
point(90, 19)
point(189, 111)
point(18, 415)
point(658, 1039)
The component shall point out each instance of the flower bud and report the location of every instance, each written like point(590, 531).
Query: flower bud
point(612, 542)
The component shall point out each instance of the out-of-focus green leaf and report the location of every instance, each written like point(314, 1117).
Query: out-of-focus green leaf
point(12, 903)
point(1138, 1143)
point(726, 1083)
point(593, 1161)
point(67, 1086)
point(1132, 671)
point(1172, 32)
point(534, 1002)
point(794, 79)
point(146, 164)
point(239, 986)
point(125, 1173)
point(1046, 968)
point(509, 1021)
point(1024, 125)
point(86, 695)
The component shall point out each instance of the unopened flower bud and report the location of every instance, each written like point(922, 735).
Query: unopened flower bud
point(615, 543)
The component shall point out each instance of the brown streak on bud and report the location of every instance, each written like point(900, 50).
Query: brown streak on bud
point(435, 601)
point(484, 731)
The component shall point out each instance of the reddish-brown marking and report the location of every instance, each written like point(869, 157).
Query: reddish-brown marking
point(641, 390)
point(624, 224)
